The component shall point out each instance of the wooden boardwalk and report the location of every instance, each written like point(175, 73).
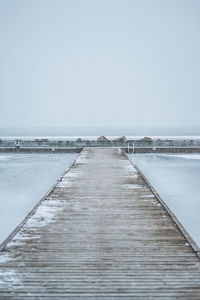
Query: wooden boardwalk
point(100, 234)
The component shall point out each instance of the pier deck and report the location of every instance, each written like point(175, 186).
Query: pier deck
point(100, 234)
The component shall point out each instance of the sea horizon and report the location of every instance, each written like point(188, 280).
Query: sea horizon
point(71, 133)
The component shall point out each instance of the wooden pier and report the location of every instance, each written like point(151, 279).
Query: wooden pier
point(101, 233)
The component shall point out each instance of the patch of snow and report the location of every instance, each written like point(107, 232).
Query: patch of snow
point(20, 238)
point(133, 186)
point(82, 159)
point(119, 150)
point(130, 167)
point(68, 178)
point(63, 185)
point(4, 158)
point(147, 196)
point(44, 214)
point(132, 172)
point(54, 202)
point(8, 278)
point(188, 156)
point(135, 176)
point(4, 257)
point(71, 174)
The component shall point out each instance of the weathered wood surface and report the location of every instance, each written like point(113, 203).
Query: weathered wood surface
point(100, 234)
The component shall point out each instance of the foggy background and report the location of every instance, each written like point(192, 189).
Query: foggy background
point(99, 63)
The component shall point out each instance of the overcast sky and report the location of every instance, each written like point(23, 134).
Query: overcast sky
point(99, 62)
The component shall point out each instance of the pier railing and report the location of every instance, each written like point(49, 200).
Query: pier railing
point(93, 143)
point(136, 146)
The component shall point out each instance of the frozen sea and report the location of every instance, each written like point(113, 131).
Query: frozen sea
point(24, 180)
point(177, 179)
point(72, 133)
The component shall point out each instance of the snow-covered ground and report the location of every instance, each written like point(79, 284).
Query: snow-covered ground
point(177, 179)
point(24, 179)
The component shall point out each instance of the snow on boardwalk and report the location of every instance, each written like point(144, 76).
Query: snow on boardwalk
point(100, 234)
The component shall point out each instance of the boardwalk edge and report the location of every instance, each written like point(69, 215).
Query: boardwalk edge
point(178, 224)
point(28, 216)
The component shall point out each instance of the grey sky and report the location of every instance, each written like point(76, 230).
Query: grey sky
point(99, 62)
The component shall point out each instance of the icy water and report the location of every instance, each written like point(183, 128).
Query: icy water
point(24, 179)
point(177, 179)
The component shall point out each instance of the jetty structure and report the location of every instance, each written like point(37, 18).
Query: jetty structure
point(141, 145)
point(101, 232)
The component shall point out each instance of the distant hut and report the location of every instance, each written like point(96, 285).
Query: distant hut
point(146, 139)
point(18, 143)
point(88, 143)
point(120, 139)
point(79, 140)
point(102, 139)
point(159, 142)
